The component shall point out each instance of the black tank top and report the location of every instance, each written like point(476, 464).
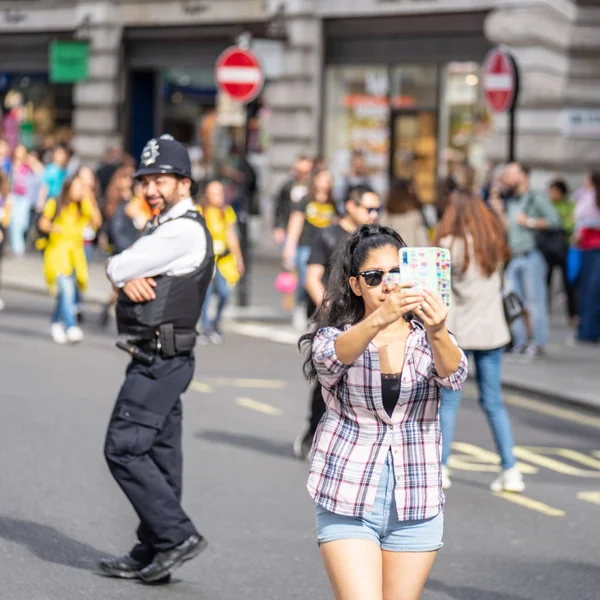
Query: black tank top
point(390, 391)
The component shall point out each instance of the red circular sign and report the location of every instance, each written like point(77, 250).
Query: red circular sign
point(239, 74)
point(499, 80)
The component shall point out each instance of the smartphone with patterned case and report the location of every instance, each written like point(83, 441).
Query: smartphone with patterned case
point(427, 268)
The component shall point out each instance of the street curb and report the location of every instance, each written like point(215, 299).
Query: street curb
point(552, 397)
point(256, 313)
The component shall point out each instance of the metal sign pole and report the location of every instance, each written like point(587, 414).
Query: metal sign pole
point(512, 117)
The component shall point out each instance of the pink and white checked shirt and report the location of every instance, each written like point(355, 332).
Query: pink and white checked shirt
point(356, 433)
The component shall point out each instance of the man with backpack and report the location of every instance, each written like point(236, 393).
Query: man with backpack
point(362, 207)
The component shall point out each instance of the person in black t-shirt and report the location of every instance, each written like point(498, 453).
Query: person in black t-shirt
point(362, 208)
point(316, 211)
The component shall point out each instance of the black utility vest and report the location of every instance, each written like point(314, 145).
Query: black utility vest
point(178, 301)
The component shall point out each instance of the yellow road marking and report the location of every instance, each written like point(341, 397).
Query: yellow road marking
point(579, 457)
point(479, 459)
point(198, 386)
point(267, 384)
point(593, 497)
point(533, 455)
point(596, 453)
point(553, 411)
point(532, 504)
point(261, 407)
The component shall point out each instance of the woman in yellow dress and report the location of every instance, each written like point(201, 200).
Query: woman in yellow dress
point(221, 222)
point(65, 267)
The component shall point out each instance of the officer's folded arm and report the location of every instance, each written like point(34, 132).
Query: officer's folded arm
point(175, 246)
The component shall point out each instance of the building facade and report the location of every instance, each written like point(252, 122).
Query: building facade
point(398, 79)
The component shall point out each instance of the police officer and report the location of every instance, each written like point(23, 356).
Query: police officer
point(162, 280)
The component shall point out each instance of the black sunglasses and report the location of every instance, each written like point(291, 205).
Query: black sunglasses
point(374, 277)
point(369, 210)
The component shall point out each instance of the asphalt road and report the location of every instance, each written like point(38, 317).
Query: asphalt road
point(60, 511)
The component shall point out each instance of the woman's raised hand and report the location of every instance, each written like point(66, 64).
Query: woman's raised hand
point(403, 299)
point(432, 312)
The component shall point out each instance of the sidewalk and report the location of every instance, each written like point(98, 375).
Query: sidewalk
point(568, 373)
point(27, 274)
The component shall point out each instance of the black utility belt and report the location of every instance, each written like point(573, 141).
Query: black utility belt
point(166, 342)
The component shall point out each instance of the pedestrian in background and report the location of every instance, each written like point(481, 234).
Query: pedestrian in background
point(476, 240)
point(55, 173)
point(358, 175)
point(382, 352)
point(118, 232)
point(90, 184)
point(23, 170)
point(3, 197)
point(292, 192)
point(221, 222)
point(362, 207)
point(525, 213)
point(315, 211)
point(64, 220)
point(558, 192)
point(403, 213)
point(587, 222)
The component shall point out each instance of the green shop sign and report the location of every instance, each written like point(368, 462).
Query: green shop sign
point(69, 61)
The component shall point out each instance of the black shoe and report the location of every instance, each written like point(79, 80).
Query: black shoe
point(126, 567)
point(166, 562)
point(104, 316)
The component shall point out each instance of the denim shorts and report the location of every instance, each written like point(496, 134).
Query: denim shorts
point(382, 525)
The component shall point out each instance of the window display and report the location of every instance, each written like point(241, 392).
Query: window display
point(357, 118)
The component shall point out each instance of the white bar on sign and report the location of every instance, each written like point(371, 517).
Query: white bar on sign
point(239, 75)
point(497, 82)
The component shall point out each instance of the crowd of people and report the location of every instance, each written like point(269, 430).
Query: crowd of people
point(546, 231)
point(505, 239)
point(74, 215)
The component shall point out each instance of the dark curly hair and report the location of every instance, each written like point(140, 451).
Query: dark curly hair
point(340, 306)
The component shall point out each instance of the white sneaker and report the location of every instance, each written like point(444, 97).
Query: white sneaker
point(510, 480)
point(446, 483)
point(299, 320)
point(74, 334)
point(58, 333)
point(2, 305)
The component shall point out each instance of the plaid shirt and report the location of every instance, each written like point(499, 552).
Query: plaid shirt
point(356, 433)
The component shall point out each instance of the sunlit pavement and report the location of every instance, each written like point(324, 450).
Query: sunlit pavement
point(60, 511)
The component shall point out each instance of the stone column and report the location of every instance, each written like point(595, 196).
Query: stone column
point(557, 46)
point(97, 100)
point(294, 97)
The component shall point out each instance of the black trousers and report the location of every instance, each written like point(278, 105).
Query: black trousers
point(569, 288)
point(143, 451)
point(317, 407)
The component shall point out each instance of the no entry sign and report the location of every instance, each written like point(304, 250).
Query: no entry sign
point(499, 80)
point(239, 74)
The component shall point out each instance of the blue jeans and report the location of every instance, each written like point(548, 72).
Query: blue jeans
point(382, 525)
point(488, 365)
point(302, 256)
point(526, 275)
point(19, 223)
point(219, 286)
point(64, 311)
point(589, 297)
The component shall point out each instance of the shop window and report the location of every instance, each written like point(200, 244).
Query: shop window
point(357, 113)
point(414, 86)
point(34, 109)
point(465, 120)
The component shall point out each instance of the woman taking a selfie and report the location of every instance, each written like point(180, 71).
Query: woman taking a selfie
point(382, 352)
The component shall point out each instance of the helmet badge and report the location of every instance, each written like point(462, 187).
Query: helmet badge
point(150, 153)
